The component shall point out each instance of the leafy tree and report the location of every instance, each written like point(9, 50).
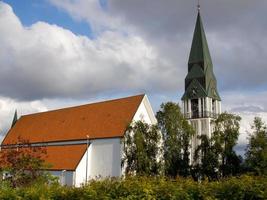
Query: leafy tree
point(22, 164)
point(226, 132)
point(215, 156)
point(207, 158)
point(256, 155)
point(176, 133)
point(141, 149)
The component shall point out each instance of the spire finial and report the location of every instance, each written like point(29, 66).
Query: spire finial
point(198, 5)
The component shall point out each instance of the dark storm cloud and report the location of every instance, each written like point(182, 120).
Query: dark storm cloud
point(236, 32)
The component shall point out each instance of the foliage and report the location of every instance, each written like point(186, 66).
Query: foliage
point(215, 156)
point(176, 134)
point(244, 187)
point(207, 158)
point(22, 164)
point(141, 149)
point(256, 155)
point(226, 133)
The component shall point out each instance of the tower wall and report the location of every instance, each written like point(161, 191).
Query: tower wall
point(208, 109)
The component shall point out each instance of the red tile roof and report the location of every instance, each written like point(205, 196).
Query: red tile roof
point(65, 157)
point(98, 120)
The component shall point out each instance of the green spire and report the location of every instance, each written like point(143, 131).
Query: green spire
point(200, 80)
point(15, 119)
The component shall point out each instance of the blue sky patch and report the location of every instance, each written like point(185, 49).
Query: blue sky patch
point(32, 11)
point(104, 4)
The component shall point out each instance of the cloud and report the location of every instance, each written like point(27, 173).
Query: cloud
point(248, 106)
point(147, 42)
point(235, 30)
point(8, 107)
point(251, 108)
point(47, 61)
point(90, 11)
point(246, 103)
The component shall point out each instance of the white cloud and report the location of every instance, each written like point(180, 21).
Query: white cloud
point(46, 61)
point(90, 11)
point(8, 107)
point(247, 106)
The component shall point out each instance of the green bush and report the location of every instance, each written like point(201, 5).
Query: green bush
point(244, 187)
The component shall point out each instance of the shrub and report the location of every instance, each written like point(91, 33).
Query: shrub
point(244, 187)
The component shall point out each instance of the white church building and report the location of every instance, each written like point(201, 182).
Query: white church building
point(83, 142)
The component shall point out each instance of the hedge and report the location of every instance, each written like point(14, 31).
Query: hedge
point(244, 187)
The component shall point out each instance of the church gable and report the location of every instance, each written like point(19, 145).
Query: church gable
point(212, 90)
point(194, 91)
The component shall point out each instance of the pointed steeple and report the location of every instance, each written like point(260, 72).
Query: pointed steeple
point(199, 49)
point(15, 119)
point(200, 77)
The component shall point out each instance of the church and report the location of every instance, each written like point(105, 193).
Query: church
point(84, 142)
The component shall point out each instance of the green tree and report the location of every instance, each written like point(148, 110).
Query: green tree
point(256, 154)
point(176, 133)
point(207, 158)
point(215, 156)
point(141, 149)
point(226, 132)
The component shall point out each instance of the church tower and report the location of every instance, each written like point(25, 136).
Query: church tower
point(201, 100)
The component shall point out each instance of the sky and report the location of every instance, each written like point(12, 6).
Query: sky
point(58, 53)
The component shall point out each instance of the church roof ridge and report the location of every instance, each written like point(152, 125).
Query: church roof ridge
point(86, 104)
point(107, 119)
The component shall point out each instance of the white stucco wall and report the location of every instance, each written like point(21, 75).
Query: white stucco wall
point(145, 112)
point(104, 160)
point(81, 171)
point(104, 155)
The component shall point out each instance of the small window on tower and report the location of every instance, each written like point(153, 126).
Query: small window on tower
point(194, 108)
point(203, 126)
point(213, 106)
